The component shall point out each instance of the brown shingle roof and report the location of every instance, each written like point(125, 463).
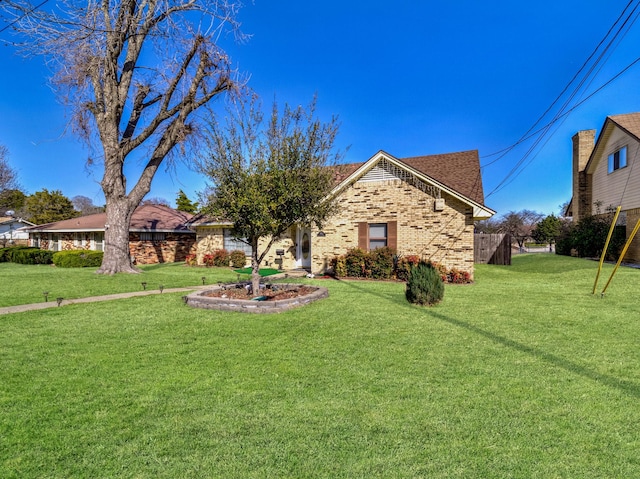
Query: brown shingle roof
point(145, 218)
point(629, 122)
point(458, 171)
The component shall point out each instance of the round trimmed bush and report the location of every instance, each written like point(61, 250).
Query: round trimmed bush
point(425, 285)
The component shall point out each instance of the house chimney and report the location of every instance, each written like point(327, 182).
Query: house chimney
point(583, 144)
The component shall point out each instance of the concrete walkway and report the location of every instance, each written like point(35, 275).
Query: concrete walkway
point(92, 299)
point(110, 297)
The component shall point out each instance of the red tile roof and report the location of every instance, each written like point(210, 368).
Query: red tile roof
point(145, 218)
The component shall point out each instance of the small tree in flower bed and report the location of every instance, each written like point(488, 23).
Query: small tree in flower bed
point(191, 260)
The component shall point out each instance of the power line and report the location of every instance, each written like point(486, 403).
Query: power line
point(622, 30)
point(526, 135)
point(16, 20)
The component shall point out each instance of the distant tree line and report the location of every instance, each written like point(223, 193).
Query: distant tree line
point(585, 238)
point(47, 206)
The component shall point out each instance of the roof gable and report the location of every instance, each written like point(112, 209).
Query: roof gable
point(458, 174)
point(629, 123)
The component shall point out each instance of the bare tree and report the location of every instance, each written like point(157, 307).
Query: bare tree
point(85, 205)
point(8, 176)
point(134, 73)
point(520, 225)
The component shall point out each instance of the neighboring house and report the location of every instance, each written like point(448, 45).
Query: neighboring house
point(13, 231)
point(422, 206)
point(605, 174)
point(157, 234)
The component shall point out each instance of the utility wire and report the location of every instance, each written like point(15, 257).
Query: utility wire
point(16, 20)
point(622, 30)
point(528, 134)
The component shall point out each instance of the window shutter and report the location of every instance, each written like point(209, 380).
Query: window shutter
point(363, 236)
point(392, 234)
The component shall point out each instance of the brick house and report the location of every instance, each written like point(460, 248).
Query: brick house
point(157, 234)
point(422, 206)
point(604, 176)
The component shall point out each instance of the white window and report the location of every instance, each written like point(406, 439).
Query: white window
point(155, 237)
point(231, 243)
point(377, 235)
point(98, 239)
point(618, 159)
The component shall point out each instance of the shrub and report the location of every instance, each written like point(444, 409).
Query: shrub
point(455, 276)
point(29, 255)
point(403, 265)
point(78, 259)
point(425, 285)
point(191, 260)
point(6, 253)
point(588, 236)
point(238, 259)
point(357, 263)
point(381, 263)
point(219, 258)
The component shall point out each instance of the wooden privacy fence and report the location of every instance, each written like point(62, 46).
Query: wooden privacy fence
point(492, 248)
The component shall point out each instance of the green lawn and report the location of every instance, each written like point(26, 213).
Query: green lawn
point(25, 284)
point(523, 374)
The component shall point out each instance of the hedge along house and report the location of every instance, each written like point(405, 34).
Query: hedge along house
point(157, 234)
point(606, 174)
point(423, 206)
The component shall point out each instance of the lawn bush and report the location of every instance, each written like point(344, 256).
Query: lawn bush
point(29, 255)
point(78, 259)
point(238, 259)
point(403, 265)
point(381, 263)
point(219, 258)
point(425, 285)
point(587, 238)
point(384, 263)
point(6, 254)
point(191, 260)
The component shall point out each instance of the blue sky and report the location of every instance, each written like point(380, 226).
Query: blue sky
point(410, 78)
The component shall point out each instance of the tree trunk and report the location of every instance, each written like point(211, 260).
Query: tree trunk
point(255, 273)
point(117, 257)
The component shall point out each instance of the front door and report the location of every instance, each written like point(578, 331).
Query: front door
point(303, 248)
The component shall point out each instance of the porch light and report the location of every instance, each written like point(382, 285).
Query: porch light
point(321, 234)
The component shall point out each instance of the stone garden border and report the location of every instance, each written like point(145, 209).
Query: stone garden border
point(199, 299)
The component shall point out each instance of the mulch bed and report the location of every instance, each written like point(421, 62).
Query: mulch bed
point(269, 294)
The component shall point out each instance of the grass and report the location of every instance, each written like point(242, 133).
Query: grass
point(261, 271)
point(25, 284)
point(523, 374)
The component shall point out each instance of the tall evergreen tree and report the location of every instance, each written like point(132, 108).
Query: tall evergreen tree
point(183, 203)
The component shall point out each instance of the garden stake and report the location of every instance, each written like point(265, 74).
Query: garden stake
point(604, 251)
point(624, 251)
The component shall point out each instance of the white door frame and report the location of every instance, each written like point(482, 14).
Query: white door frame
point(303, 247)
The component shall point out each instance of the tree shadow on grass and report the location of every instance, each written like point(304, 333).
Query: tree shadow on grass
point(627, 387)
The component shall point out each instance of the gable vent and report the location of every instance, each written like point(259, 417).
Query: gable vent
point(380, 172)
point(384, 171)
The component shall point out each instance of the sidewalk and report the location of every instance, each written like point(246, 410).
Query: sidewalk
point(91, 299)
point(110, 297)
